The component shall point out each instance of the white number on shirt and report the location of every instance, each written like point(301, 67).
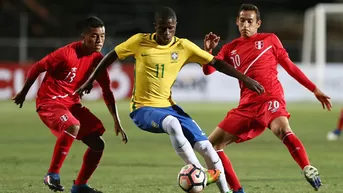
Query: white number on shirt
point(236, 60)
point(71, 75)
point(273, 106)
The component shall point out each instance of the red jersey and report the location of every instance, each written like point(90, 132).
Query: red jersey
point(67, 69)
point(258, 57)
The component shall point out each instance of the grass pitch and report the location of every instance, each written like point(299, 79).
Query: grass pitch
point(148, 164)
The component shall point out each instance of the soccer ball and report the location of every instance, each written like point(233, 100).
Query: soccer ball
point(192, 179)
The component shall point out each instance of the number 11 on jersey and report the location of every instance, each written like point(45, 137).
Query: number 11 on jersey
point(159, 70)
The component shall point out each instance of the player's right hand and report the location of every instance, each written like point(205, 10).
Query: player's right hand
point(84, 89)
point(254, 85)
point(211, 41)
point(119, 129)
point(19, 98)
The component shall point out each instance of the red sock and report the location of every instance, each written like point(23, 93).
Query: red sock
point(230, 174)
point(62, 147)
point(296, 149)
point(340, 121)
point(91, 160)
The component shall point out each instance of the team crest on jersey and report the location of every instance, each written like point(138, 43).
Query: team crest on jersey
point(259, 44)
point(174, 57)
point(73, 69)
point(64, 118)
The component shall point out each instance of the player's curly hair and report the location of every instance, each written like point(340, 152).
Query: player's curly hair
point(250, 7)
point(90, 22)
point(165, 13)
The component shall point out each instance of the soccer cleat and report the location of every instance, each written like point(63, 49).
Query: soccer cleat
point(333, 135)
point(241, 190)
point(212, 176)
point(84, 188)
point(52, 180)
point(312, 176)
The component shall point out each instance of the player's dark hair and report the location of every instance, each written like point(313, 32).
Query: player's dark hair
point(250, 7)
point(165, 13)
point(91, 22)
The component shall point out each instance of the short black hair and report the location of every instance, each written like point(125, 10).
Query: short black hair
point(250, 7)
point(165, 13)
point(91, 22)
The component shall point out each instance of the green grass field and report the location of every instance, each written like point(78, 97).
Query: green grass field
point(148, 164)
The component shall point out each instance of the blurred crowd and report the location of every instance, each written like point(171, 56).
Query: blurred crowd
point(123, 18)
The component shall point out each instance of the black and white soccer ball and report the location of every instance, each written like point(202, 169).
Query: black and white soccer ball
point(192, 179)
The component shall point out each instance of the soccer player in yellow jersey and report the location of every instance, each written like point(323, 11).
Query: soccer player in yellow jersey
point(159, 57)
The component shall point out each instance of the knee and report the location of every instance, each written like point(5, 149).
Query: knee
point(203, 145)
point(73, 130)
point(280, 129)
point(219, 139)
point(95, 143)
point(204, 148)
point(217, 144)
point(171, 126)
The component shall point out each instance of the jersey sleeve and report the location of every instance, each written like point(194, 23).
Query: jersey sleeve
point(49, 62)
point(222, 55)
point(128, 47)
point(284, 60)
point(196, 54)
point(279, 51)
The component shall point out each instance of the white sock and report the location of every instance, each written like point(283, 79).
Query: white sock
point(213, 161)
point(183, 148)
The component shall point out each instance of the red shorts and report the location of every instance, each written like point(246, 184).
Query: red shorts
point(249, 121)
point(58, 118)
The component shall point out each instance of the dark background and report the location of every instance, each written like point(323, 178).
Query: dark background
point(52, 23)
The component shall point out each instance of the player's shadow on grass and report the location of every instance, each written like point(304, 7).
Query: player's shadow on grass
point(154, 165)
point(284, 179)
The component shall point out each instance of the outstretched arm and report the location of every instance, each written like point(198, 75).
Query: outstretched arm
point(104, 63)
point(284, 60)
point(298, 75)
point(104, 82)
point(121, 51)
point(48, 62)
point(33, 74)
point(229, 70)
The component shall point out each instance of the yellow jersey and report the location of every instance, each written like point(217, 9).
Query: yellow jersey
point(157, 67)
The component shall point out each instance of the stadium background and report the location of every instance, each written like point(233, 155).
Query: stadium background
point(30, 29)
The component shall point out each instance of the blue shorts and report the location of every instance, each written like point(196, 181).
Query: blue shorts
point(150, 119)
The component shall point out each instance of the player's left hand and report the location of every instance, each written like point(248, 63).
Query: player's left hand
point(19, 98)
point(324, 99)
point(119, 129)
point(85, 88)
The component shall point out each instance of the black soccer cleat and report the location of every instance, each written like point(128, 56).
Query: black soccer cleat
point(83, 189)
point(53, 182)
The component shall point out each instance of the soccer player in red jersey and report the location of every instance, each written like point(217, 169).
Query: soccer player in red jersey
point(60, 109)
point(257, 55)
point(334, 135)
